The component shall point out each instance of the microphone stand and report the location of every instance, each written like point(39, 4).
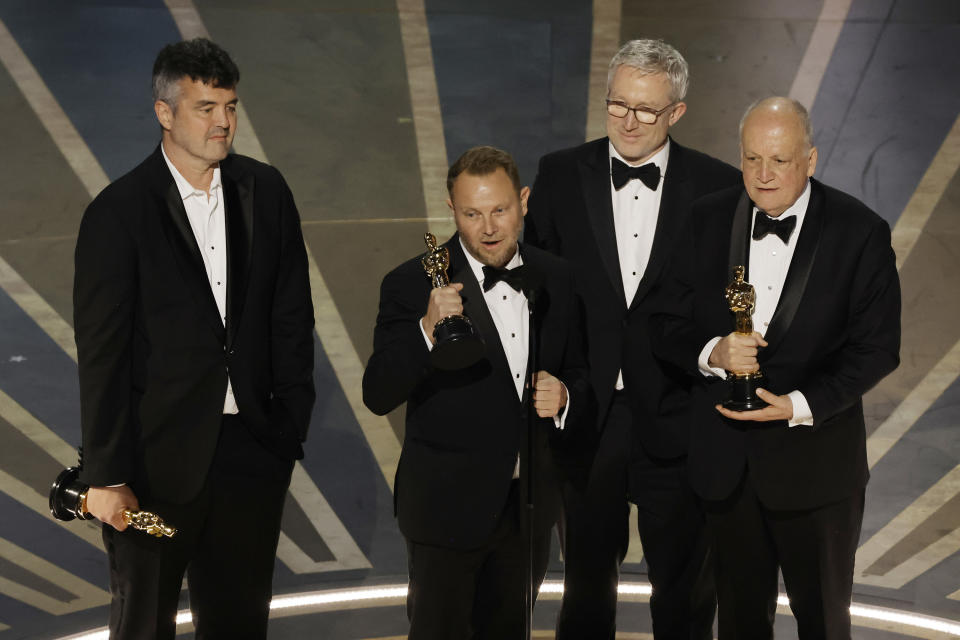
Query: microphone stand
point(528, 472)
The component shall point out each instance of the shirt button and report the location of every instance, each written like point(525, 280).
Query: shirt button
point(504, 297)
point(634, 235)
point(211, 248)
point(513, 335)
point(774, 252)
point(518, 376)
point(766, 324)
point(769, 287)
point(634, 273)
point(636, 197)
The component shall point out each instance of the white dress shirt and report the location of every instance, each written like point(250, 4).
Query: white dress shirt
point(769, 262)
point(510, 314)
point(205, 211)
point(635, 211)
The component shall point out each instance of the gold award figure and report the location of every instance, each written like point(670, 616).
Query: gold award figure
point(741, 298)
point(68, 500)
point(458, 343)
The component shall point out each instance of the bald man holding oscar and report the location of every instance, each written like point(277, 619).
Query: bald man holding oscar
point(783, 485)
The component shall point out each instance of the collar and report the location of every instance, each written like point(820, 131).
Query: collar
point(477, 267)
point(660, 158)
point(185, 188)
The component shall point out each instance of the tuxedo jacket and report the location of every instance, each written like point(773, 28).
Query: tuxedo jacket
point(464, 429)
point(835, 333)
point(571, 215)
point(154, 354)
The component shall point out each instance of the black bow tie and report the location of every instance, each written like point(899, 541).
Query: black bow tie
point(764, 224)
point(648, 174)
point(493, 275)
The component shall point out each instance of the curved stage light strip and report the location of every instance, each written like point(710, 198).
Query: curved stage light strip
point(906, 622)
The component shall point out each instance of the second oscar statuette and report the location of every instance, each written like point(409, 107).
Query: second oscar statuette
point(742, 297)
point(458, 345)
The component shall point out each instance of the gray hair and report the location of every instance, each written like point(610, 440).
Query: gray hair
point(650, 57)
point(794, 107)
point(197, 59)
point(167, 88)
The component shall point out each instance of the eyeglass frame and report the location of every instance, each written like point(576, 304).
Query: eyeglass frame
point(638, 110)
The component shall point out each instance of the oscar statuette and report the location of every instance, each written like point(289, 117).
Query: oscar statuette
point(741, 297)
point(68, 500)
point(458, 345)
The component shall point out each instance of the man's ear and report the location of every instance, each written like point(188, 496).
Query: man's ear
point(812, 162)
point(677, 112)
point(164, 114)
point(524, 195)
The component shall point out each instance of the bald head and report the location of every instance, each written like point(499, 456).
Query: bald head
point(780, 106)
point(776, 153)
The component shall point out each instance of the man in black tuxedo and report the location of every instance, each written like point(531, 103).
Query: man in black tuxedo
point(614, 207)
point(194, 326)
point(458, 496)
point(783, 486)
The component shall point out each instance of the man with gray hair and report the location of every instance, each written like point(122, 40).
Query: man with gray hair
point(614, 207)
point(194, 328)
point(782, 485)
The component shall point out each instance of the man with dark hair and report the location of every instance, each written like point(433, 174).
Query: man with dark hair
point(613, 207)
point(194, 327)
point(782, 485)
point(458, 497)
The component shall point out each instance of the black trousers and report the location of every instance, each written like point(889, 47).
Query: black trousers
point(477, 594)
point(813, 548)
point(595, 536)
point(226, 543)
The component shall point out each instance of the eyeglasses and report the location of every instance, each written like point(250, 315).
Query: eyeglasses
point(642, 114)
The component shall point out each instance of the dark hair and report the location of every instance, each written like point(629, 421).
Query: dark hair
point(199, 59)
point(482, 161)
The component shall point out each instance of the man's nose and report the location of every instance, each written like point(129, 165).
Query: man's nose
point(222, 120)
point(766, 174)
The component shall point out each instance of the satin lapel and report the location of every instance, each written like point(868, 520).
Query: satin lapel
point(238, 208)
point(798, 274)
point(541, 308)
point(187, 255)
point(674, 200)
point(740, 238)
point(475, 308)
point(595, 181)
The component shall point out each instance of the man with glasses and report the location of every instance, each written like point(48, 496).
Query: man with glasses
point(613, 207)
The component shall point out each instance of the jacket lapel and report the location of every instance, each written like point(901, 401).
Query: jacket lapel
point(185, 250)
point(475, 308)
point(740, 238)
point(674, 200)
point(541, 309)
point(799, 272)
point(238, 209)
point(595, 179)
